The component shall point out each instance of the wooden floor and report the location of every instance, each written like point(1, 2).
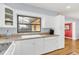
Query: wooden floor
point(71, 48)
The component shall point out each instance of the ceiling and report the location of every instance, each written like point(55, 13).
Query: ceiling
point(50, 8)
point(31, 8)
point(59, 7)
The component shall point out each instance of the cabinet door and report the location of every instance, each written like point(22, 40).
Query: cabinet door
point(61, 42)
point(39, 46)
point(50, 44)
point(24, 47)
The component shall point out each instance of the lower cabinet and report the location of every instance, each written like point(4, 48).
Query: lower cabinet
point(36, 46)
point(24, 47)
point(61, 42)
point(39, 46)
point(51, 44)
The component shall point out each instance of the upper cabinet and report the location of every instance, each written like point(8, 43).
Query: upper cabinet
point(8, 16)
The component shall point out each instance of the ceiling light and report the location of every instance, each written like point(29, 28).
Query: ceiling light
point(68, 7)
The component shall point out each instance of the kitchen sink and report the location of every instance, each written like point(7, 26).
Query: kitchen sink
point(4, 47)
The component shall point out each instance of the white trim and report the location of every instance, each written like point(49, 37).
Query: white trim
point(13, 48)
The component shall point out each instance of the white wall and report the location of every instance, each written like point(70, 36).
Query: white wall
point(74, 14)
point(74, 31)
point(77, 29)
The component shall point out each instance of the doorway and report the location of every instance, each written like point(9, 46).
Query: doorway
point(68, 30)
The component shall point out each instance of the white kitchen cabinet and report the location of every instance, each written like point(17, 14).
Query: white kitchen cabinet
point(61, 42)
point(6, 15)
point(24, 47)
point(29, 47)
point(51, 44)
point(39, 45)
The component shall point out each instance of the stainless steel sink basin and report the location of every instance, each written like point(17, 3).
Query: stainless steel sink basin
point(4, 47)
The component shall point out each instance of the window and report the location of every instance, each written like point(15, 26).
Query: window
point(28, 24)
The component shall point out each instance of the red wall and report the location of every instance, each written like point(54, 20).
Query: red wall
point(68, 32)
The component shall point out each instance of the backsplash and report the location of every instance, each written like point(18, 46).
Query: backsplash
point(11, 30)
point(45, 29)
point(7, 30)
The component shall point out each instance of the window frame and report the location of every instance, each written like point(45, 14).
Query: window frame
point(27, 24)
